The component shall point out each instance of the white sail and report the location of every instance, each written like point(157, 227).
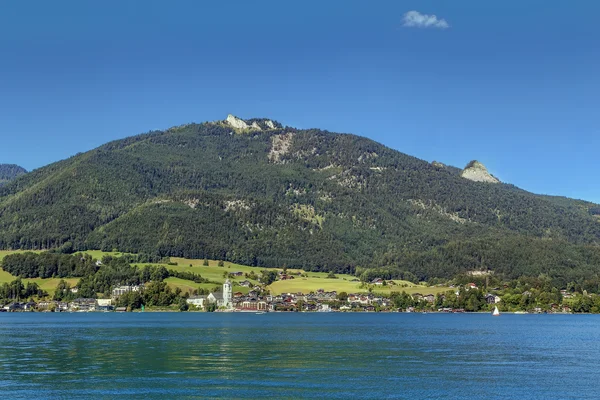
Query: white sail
point(496, 312)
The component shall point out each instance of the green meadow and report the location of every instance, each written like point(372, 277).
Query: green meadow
point(49, 284)
point(312, 282)
point(211, 272)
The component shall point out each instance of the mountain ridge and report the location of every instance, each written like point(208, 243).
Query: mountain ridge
point(286, 196)
point(9, 172)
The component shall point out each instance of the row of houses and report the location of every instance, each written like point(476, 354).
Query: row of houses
point(58, 306)
point(319, 301)
point(18, 306)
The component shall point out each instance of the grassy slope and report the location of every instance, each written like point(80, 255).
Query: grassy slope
point(49, 285)
point(46, 284)
point(314, 282)
point(212, 272)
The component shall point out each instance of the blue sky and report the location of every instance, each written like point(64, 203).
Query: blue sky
point(513, 84)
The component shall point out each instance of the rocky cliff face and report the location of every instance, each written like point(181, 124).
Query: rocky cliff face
point(476, 171)
point(237, 123)
point(253, 124)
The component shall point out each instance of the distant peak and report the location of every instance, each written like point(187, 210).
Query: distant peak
point(476, 164)
point(258, 124)
point(476, 171)
point(9, 172)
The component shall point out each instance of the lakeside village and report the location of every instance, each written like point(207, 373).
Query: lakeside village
point(259, 301)
point(134, 282)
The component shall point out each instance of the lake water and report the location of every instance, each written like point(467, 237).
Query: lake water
point(281, 356)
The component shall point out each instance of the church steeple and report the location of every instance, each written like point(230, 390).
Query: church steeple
point(227, 295)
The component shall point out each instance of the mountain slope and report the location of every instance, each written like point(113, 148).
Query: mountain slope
point(8, 172)
point(258, 193)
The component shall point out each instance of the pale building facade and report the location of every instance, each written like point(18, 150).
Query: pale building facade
point(223, 299)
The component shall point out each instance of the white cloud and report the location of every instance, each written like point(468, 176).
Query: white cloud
point(414, 19)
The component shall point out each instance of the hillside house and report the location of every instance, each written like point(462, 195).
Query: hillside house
point(13, 307)
point(121, 290)
point(492, 299)
point(566, 295)
point(249, 305)
point(44, 305)
point(198, 301)
point(359, 299)
point(83, 305)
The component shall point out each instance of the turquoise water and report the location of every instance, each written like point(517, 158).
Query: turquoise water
point(280, 356)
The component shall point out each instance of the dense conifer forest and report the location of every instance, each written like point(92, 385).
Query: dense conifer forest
point(285, 197)
point(8, 172)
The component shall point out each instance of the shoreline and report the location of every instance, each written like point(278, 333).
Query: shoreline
point(294, 312)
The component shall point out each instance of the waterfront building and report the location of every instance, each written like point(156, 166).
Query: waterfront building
point(197, 301)
point(223, 299)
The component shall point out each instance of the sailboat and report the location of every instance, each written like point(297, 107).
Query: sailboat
point(496, 313)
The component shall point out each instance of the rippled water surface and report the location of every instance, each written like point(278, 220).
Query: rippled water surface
point(367, 356)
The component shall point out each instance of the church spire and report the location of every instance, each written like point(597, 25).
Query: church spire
point(227, 295)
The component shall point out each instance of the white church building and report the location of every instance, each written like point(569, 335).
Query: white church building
point(222, 300)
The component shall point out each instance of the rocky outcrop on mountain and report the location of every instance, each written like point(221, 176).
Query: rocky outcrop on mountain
point(476, 171)
point(236, 122)
point(255, 124)
point(280, 145)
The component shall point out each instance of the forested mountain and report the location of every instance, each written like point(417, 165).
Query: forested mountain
point(255, 192)
point(8, 172)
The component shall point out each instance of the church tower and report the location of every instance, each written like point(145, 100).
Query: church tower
point(227, 295)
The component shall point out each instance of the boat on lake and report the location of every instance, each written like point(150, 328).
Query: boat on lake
point(496, 312)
